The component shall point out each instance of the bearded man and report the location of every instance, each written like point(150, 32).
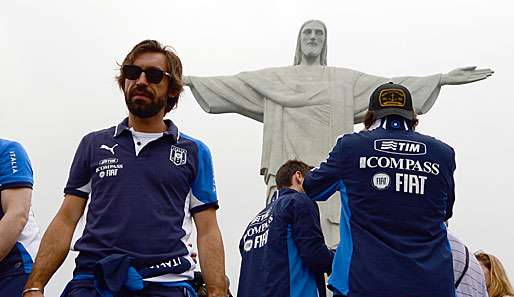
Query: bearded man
point(146, 181)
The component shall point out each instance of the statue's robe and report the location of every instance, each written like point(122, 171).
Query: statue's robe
point(304, 109)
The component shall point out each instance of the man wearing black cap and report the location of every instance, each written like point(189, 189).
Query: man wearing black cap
point(397, 190)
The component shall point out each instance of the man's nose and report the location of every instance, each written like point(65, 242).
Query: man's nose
point(141, 80)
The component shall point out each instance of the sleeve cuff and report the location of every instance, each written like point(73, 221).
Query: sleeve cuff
point(204, 207)
point(14, 185)
point(75, 192)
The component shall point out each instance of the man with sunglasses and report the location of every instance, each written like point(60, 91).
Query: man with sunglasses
point(145, 181)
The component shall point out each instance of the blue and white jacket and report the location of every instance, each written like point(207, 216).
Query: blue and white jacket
point(283, 252)
point(397, 189)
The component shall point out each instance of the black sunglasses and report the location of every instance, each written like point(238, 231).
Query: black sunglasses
point(153, 75)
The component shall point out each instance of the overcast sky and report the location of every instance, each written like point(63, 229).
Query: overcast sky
point(58, 62)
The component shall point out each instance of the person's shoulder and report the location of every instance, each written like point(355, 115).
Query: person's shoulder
point(5, 142)
point(299, 199)
point(434, 142)
point(110, 131)
point(187, 139)
point(348, 137)
point(12, 149)
point(100, 134)
point(290, 203)
point(353, 139)
point(10, 145)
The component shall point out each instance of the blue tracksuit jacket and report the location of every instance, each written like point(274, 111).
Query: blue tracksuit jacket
point(283, 250)
point(397, 189)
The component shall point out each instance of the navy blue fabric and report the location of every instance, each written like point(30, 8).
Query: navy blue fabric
point(139, 203)
point(85, 288)
point(283, 250)
point(115, 274)
point(13, 285)
point(12, 264)
point(15, 172)
point(397, 189)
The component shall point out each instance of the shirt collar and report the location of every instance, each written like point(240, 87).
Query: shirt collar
point(171, 130)
point(390, 123)
point(281, 192)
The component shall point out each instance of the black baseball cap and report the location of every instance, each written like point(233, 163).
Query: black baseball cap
point(391, 99)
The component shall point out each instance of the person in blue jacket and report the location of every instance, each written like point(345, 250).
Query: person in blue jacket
point(283, 250)
point(19, 234)
point(397, 189)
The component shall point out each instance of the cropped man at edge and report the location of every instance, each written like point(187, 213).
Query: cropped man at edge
point(146, 181)
point(283, 250)
point(19, 234)
point(397, 189)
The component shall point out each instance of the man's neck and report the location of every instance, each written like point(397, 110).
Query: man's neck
point(297, 188)
point(153, 124)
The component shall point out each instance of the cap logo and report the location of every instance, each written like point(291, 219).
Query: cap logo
point(392, 98)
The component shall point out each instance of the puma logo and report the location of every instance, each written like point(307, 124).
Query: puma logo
point(110, 149)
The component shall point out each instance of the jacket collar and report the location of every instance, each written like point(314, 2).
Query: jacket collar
point(391, 123)
point(282, 192)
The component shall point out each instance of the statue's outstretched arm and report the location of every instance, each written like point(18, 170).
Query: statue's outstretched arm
point(223, 94)
point(464, 75)
point(424, 91)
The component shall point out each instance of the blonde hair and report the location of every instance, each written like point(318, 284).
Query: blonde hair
point(499, 284)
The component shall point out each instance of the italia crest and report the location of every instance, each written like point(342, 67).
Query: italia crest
point(178, 156)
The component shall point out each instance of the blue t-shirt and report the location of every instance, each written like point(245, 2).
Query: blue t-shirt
point(397, 189)
point(283, 252)
point(16, 172)
point(141, 204)
point(15, 167)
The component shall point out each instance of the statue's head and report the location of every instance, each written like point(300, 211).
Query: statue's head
point(312, 42)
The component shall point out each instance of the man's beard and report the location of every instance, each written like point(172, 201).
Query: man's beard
point(142, 108)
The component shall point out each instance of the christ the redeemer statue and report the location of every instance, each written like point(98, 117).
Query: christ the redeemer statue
point(305, 107)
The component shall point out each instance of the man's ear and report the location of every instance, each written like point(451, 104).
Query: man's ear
point(173, 93)
point(298, 176)
point(302, 177)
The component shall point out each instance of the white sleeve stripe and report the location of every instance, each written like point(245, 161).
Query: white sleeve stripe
point(85, 188)
point(194, 201)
